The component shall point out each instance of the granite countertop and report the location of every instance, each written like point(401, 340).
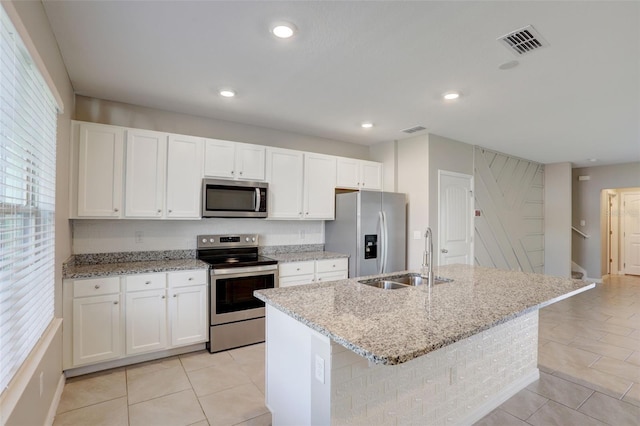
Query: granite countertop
point(394, 326)
point(306, 255)
point(72, 271)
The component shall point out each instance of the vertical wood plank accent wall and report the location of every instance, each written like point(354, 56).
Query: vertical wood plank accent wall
point(509, 194)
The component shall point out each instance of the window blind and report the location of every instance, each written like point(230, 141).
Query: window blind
point(27, 202)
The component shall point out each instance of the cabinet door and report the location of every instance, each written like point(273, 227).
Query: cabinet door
point(100, 162)
point(348, 173)
point(146, 321)
point(188, 314)
point(284, 174)
point(96, 329)
point(250, 161)
point(219, 158)
point(184, 176)
point(319, 186)
point(371, 175)
point(145, 173)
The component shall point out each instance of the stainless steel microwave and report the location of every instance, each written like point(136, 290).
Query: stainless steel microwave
point(230, 198)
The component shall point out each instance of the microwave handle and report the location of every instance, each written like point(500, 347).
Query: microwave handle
point(257, 199)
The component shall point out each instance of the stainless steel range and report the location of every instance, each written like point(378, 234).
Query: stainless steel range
point(236, 316)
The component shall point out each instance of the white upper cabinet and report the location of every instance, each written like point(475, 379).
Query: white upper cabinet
point(100, 151)
point(319, 186)
point(184, 177)
point(284, 174)
point(234, 160)
point(301, 185)
point(358, 174)
point(145, 173)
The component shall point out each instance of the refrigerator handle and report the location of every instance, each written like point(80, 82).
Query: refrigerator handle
point(381, 242)
point(386, 242)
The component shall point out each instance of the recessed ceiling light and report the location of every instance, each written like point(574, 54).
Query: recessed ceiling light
point(451, 95)
point(284, 30)
point(593, 160)
point(227, 93)
point(366, 125)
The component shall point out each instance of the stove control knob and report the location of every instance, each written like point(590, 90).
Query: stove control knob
point(204, 240)
point(253, 239)
point(212, 240)
point(246, 239)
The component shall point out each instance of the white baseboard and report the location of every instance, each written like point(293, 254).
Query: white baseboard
point(53, 408)
point(498, 399)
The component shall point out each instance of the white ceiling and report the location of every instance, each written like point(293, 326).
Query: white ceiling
point(385, 62)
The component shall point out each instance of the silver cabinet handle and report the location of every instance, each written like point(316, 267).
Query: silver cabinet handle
point(163, 296)
point(115, 210)
point(240, 173)
point(115, 302)
point(159, 211)
point(175, 295)
point(444, 251)
point(190, 278)
point(232, 172)
point(97, 286)
point(147, 282)
point(170, 211)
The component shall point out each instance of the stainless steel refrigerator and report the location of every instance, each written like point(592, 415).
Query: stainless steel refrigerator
point(370, 226)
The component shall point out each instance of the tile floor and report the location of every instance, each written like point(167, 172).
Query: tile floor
point(589, 357)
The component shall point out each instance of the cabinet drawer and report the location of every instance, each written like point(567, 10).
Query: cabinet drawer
point(187, 278)
point(294, 280)
point(296, 268)
point(96, 286)
point(331, 276)
point(144, 282)
point(329, 265)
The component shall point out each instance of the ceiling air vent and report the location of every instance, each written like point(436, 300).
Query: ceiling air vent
point(414, 129)
point(523, 41)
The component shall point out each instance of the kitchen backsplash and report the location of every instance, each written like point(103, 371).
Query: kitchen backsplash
point(110, 236)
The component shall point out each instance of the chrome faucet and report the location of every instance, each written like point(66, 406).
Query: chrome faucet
point(427, 263)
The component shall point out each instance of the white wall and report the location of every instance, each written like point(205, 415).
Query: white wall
point(413, 179)
point(29, 406)
point(557, 219)
point(109, 236)
point(586, 206)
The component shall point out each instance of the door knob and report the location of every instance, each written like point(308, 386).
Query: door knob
point(444, 251)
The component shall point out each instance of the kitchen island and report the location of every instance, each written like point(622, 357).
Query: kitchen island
point(347, 353)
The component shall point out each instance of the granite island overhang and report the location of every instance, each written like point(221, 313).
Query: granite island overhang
point(343, 350)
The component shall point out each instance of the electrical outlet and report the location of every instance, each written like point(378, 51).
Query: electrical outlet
point(139, 236)
point(319, 369)
point(417, 235)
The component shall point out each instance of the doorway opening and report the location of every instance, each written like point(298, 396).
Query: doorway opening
point(620, 231)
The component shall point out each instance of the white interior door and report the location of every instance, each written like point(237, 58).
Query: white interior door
point(455, 218)
point(631, 232)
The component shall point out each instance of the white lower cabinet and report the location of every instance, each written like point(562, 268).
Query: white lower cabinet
point(145, 313)
point(311, 271)
point(150, 313)
point(188, 313)
point(96, 329)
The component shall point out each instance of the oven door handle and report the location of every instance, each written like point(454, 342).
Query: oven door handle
point(244, 270)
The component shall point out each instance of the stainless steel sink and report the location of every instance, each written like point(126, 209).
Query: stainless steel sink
point(403, 281)
point(387, 285)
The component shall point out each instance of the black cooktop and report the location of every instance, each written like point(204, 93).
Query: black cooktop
point(231, 251)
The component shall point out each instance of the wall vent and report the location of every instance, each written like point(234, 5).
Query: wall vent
point(523, 41)
point(414, 129)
